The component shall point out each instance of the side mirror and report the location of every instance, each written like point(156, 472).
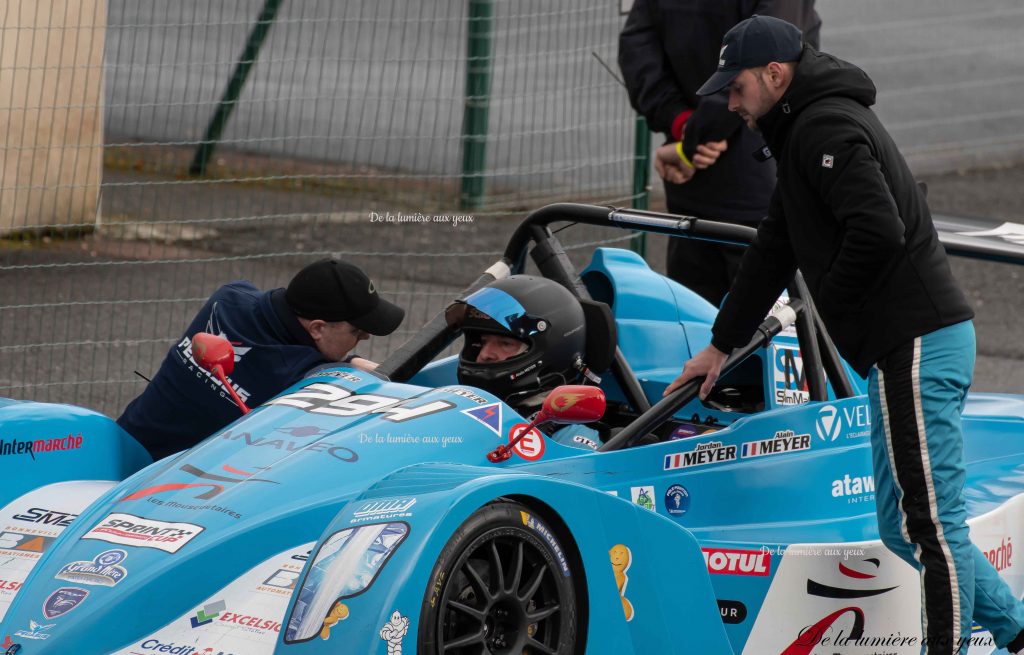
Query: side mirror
point(216, 355)
point(211, 351)
point(574, 403)
point(567, 404)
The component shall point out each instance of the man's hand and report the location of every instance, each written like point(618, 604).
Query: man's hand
point(707, 362)
point(670, 166)
point(707, 153)
point(363, 364)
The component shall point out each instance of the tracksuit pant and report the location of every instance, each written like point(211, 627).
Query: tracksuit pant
point(917, 393)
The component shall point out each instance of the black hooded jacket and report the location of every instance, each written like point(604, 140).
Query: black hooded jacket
point(667, 49)
point(848, 212)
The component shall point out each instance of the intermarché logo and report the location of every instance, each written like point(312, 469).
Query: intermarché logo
point(19, 447)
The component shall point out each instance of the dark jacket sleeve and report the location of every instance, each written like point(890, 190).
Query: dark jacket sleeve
point(839, 166)
point(712, 121)
point(653, 90)
point(765, 271)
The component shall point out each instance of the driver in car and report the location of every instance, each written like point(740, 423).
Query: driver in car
point(524, 336)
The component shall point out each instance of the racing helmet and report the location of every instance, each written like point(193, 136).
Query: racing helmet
point(541, 313)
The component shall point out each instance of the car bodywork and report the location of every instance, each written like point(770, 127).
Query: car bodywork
point(313, 524)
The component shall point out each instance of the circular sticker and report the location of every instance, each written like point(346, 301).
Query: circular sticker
point(111, 557)
point(531, 446)
point(677, 500)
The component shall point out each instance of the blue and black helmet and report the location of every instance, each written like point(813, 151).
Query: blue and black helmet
point(541, 313)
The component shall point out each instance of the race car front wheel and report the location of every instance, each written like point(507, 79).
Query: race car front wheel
point(501, 586)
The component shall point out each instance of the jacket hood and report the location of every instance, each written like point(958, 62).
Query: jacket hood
point(818, 75)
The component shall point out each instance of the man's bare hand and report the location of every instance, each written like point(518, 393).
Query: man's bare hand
point(707, 362)
point(670, 166)
point(707, 153)
point(363, 364)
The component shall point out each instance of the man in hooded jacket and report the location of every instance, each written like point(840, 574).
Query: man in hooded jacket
point(847, 211)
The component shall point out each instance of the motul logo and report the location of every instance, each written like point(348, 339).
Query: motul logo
point(737, 562)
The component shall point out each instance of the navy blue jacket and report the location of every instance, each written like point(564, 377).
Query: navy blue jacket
point(667, 50)
point(184, 404)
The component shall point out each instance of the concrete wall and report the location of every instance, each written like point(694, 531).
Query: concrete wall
point(51, 112)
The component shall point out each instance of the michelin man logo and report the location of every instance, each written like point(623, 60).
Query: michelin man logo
point(394, 631)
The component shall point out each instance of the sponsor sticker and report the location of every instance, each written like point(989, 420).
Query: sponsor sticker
point(530, 447)
point(132, 530)
point(63, 601)
point(40, 515)
point(788, 376)
point(643, 496)
point(35, 631)
point(622, 558)
point(206, 615)
point(734, 561)
point(708, 452)
point(732, 611)
point(104, 570)
point(784, 441)
point(677, 500)
point(386, 509)
point(394, 631)
point(488, 415)
point(535, 524)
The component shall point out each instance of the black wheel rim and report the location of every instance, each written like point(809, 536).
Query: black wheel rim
point(502, 599)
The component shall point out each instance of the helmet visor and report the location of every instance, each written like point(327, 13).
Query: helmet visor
point(501, 308)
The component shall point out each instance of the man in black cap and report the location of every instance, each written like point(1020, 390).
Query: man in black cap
point(847, 211)
point(279, 335)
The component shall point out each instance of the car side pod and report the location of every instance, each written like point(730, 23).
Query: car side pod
point(216, 355)
point(567, 405)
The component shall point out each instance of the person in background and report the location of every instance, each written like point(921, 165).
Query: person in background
point(278, 335)
point(666, 51)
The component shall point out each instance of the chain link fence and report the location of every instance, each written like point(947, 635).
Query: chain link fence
point(155, 150)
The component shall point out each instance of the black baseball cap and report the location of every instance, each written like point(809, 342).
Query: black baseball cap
point(333, 290)
point(756, 41)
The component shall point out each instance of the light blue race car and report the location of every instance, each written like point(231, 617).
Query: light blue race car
point(360, 513)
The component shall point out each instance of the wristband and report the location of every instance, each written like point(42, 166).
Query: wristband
point(682, 155)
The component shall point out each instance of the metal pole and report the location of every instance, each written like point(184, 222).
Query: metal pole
point(478, 90)
point(234, 89)
point(641, 178)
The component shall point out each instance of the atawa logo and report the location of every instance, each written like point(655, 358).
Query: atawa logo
point(104, 570)
point(733, 561)
point(145, 533)
point(383, 510)
point(63, 601)
point(643, 496)
point(855, 489)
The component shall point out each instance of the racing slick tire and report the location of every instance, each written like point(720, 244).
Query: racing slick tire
point(501, 585)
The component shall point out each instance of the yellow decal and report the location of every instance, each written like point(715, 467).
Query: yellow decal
point(621, 559)
point(564, 401)
point(338, 613)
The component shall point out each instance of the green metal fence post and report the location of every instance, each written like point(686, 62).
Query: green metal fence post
point(641, 178)
point(234, 89)
point(478, 92)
